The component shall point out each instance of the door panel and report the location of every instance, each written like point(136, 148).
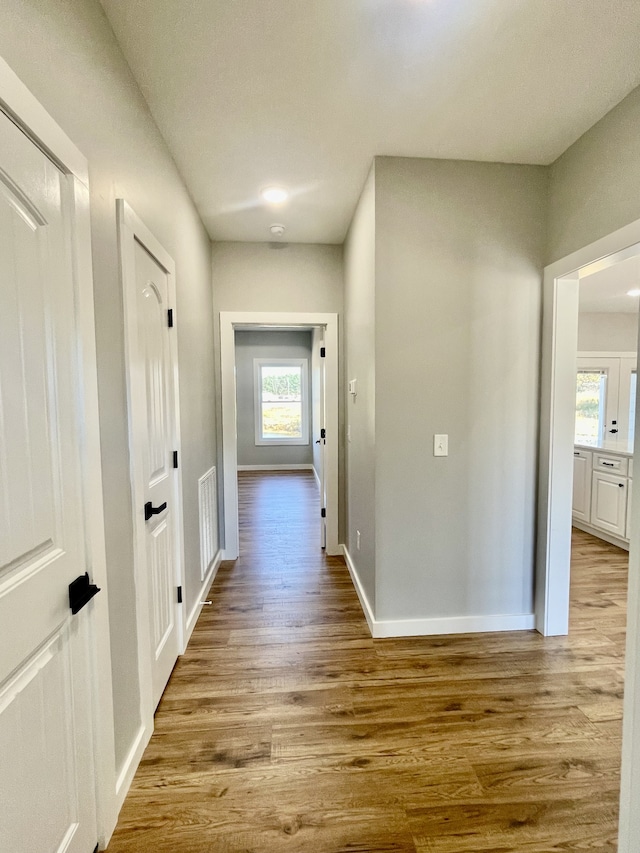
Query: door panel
point(46, 773)
point(154, 354)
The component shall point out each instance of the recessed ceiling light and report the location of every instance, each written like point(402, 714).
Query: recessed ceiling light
point(634, 292)
point(275, 195)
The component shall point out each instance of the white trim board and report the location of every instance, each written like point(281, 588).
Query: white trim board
point(131, 762)
point(362, 595)
point(293, 466)
point(433, 626)
point(196, 610)
point(229, 321)
point(17, 102)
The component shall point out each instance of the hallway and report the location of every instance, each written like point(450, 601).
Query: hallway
point(285, 727)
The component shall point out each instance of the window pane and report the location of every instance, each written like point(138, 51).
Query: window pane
point(281, 420)
point(281, 388)
point(590, 401)
point(632, 405)
point(281, 383)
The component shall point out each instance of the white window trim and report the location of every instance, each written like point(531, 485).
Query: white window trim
point(258, 364)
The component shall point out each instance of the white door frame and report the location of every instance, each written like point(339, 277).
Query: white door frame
point(557, 413)
point(228, 322)
point(31, 117)
point(131, 229)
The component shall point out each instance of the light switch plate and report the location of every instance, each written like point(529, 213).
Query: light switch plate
point(440, 445)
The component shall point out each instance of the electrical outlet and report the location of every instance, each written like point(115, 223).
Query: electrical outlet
point(357, 540)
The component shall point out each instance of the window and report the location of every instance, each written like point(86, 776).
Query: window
point(605, 399)
point(281, 401)
point(591, 394)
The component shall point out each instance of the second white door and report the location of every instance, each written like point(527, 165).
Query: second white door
point(152, 372)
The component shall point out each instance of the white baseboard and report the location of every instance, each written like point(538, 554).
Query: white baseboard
point(362, 595)
point(431, 626)
point(298, 466)
point(128, 771)
point(600, 534)
point(204, 590)
point(452, 625)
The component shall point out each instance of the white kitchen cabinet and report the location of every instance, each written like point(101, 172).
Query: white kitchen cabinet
point(582, 461)
point(629, 493)
point(609, 503)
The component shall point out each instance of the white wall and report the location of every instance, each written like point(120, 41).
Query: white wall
point(607, 332)
point(65, 52)
point(459, 254)
point(296, 277)
point(267, 344)
point(360, 364)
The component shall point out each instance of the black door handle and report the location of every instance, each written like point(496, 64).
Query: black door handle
point(150, 509)
point(81, 591)
point(613, 430)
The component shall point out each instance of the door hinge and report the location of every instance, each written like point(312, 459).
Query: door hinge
point(323, 352)
point(323, 513)
point(170, 318)
point(323, 433)
point(179, 595)
point(175, 458)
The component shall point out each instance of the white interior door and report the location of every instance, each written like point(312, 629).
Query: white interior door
point(153, 412)
point(47, 788)
point(157, 451)
point(323, 446)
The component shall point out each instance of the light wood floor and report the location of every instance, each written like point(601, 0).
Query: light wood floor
point(285, 727)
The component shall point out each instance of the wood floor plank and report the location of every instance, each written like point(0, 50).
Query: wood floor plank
point(285, 727)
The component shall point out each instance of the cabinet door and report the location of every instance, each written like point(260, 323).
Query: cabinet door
point(582, 485)
point(628, 525)
point(609, 503)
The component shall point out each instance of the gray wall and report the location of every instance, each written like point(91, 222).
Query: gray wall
point(454, 252)
point(295, 277)
point(65, 52)
point(595, 184)
point(607, 332)
point(360, 358)
point(250, 345)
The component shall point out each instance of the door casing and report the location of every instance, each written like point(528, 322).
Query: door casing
point(31, 117)
point(229, 320)
point(557, 412)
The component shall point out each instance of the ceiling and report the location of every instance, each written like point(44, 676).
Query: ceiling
point(605, 291)
point(303, 93)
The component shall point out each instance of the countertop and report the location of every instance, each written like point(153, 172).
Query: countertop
point(621, 448)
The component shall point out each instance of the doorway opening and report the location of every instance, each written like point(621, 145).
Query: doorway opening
point(558, 420)
point(277, 414)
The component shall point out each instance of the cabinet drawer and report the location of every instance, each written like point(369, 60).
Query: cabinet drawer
point(613, 464)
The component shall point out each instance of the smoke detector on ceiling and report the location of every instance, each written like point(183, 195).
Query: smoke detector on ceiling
point(277, 230)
